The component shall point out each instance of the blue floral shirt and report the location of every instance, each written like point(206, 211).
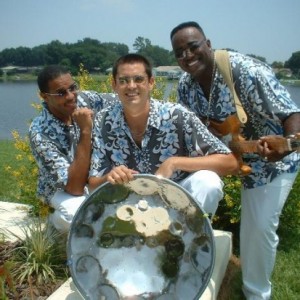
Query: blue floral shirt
point(266, 102)
point(171, 130)
point(53, 143)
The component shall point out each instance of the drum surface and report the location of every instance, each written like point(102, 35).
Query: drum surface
point(147, 239)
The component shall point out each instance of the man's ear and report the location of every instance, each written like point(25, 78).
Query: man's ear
point(151, 82)
point(208, 43)
point(43, 96)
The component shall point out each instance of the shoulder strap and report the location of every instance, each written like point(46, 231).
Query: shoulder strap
point(223, 64)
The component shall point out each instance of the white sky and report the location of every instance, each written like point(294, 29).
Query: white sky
point(268, 28)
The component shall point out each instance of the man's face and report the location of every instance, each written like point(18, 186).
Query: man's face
point(192, 51)
point(61, 97)
point(133, 85)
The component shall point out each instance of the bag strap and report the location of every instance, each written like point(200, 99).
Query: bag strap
point(223, 64)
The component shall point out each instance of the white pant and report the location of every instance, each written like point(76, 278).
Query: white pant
point(206, 187)
point(65, 206)
point(261, 208)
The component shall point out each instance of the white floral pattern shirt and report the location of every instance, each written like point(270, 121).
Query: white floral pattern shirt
point(53, 143)
point(266, 102)
point(171, 130)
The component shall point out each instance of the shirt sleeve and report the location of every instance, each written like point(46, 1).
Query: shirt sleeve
point(50, 158)
point(199, 140)
point(100, 162)
point(97, 101)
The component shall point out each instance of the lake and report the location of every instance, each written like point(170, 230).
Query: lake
point(16, 110)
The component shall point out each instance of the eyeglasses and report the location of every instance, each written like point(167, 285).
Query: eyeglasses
point(138, 79)
point(63, 93)
point(181, 54)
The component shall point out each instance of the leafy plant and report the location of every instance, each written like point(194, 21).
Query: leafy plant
point(41, 254)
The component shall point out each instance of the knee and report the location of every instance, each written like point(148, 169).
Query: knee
point(60, 221)
point(209, 181)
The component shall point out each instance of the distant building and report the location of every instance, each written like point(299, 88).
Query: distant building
point(19, 69)
point(171, 72)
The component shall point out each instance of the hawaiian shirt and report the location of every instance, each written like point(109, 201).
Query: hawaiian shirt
point(53, 143)
point(171, 130)
point(266, 102)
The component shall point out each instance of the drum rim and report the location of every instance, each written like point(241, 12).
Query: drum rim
point(77, 284)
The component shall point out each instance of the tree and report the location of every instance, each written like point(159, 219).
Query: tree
point(55, 52)
point(277, 65)
point(158, 56)
point(140, 44)
point(294, 63)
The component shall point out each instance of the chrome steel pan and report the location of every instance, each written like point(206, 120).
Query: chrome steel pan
point(144, 240)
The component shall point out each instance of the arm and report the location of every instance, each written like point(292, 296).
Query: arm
point(222, 164)
point(79, 168)
point(291, 126)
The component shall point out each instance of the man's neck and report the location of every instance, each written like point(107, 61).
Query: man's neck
point(137, 119)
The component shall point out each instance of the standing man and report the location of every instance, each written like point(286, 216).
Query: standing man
point(60, 139)
point(271, 113)
point(143, 135)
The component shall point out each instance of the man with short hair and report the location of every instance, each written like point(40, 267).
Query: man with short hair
point(271, 115)
point(143, 135)
point(60, 139)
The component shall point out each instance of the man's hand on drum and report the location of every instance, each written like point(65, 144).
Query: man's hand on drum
point(120, 175)
point(272, 147)
point(167, 168)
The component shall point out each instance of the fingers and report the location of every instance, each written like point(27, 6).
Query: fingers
point(263, 149)
point(120, 175)
point(83, 112)
point(83, 117)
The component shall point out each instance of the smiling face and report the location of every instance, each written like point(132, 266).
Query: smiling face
point(133, 86)
point(193, 52)
point(63, 106)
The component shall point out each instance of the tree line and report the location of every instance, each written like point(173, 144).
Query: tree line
point(93, 54)
point(98, 56)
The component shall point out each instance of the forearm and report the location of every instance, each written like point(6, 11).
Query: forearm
point(222, 164)
point(79, 168)
point(94, 182)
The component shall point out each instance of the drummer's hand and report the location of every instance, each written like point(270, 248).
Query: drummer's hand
point(166, 169)
point(120, 175)
point(269, 147)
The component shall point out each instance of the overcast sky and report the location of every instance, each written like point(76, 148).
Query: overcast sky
point(268, 28)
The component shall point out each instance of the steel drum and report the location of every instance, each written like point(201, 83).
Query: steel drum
point(147, 239)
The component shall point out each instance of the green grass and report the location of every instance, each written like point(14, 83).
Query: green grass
point(9, 190)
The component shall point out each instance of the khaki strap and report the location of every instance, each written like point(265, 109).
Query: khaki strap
point(223, 64)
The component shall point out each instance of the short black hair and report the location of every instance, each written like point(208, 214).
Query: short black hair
point(132, 58)
point(185, 25)
point(49, 73)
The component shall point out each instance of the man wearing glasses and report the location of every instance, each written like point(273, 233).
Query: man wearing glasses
point(143, 135)
point(271, 114)
point(60, 139)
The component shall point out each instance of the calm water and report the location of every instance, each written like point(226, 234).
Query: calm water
point(16, 110)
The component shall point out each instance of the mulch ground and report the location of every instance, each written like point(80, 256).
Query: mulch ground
point(233, 269)
point(16, 291)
